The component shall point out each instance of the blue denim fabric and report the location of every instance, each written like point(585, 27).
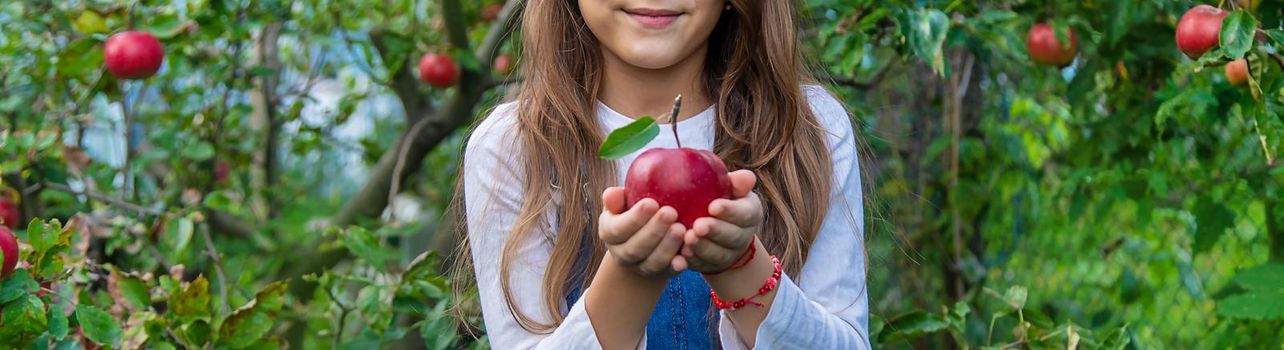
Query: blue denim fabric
point(683, 319)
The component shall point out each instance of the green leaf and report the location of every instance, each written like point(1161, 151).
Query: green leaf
point(375, 302)
point(1265, 277)
point(1238, 31)
point(1015, 297)
point(193, 302)
point(17, 285)
point(179, 233)
point(438, 329)
point(24, 320)
point(958, 315)
point(135, 334)
point(1276, 36)
point(365, 245)
point(222, 201)
point(129, 289)
point(1211, 219)
point(58, 324)
point(81, 57)
point(927, 32)
point(90, 22)
point(629, 138)
point(165, 26)
point(912, 325)
point(199, 151)
point(1258, 305)
point(98, 325)
point(249, 323)
point(197, 333)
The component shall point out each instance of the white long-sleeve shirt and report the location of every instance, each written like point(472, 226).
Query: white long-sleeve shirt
point(827, 308)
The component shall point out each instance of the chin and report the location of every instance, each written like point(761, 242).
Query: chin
point(650, 61)
point(650, 56)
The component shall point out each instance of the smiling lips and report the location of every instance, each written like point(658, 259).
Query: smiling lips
point(652, 18)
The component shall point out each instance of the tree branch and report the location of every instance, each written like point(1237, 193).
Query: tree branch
point(105, 199)
point(454, 113)
point(861, 85)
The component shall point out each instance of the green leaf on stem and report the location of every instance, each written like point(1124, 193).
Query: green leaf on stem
point(245, 326)
point(1238, 31)
point(1263, 277)
point(1265, 305)
point(629, 138)
point(98, 325)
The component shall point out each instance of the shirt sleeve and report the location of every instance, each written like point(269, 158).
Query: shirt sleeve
point(492, 199)
point(828, 308)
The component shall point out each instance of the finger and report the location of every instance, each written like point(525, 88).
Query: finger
point(742, 182)
point(722, 233)
point(619, 228)
point(744, 212)
point(679, 263)
point(661, 257)
point(639, 247)
point(707, 250)
point(613, 200)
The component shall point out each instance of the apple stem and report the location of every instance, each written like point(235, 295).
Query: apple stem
point(673, 118)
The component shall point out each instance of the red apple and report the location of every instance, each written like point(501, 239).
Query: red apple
point(1047, 50)
point(9, 246)
point(438, 70)
point(503, 64)
point(9, 212)
point(491, 12)
point(133, 55)
point(1237, 72)
point(222, 170)
point(1199, 30)
point(682, 178)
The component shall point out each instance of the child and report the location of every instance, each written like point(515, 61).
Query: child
point(562, 263)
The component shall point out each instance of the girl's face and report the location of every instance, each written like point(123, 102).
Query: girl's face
point(652, 34)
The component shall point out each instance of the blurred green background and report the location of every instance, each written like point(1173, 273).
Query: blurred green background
point(282, 180)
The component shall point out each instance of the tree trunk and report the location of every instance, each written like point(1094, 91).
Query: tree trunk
point(263, 121)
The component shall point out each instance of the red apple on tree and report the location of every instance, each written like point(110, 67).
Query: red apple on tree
point(1200, 30)
point(222, 171)
point(8, 246)
point(133, 55)
point(9, 212)
point(438, 70)
point(1047, 49)
point(491, 12)
point(682, 178)
point(1237, 72)
point(503, 64)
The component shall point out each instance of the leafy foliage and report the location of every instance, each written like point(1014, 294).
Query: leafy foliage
point(261, 191)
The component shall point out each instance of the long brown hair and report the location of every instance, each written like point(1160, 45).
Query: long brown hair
point(754, 69)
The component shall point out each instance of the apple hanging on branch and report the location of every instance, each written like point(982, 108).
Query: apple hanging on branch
point(1237, 72)
point(1199, 30)
point(8, 248)
point(682, 178)
point(1047, 49)
point(9, 211)
point(133, 55)
point(438, 70)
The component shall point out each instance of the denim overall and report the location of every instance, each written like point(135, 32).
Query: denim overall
point(682, 319)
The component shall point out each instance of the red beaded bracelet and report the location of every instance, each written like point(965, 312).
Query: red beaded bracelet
point(766, 288)
point(741, 261)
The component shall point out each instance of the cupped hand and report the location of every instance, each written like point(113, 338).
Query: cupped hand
point(645, 238)
point(714, 243)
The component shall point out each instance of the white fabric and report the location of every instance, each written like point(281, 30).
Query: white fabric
point(828, 309)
